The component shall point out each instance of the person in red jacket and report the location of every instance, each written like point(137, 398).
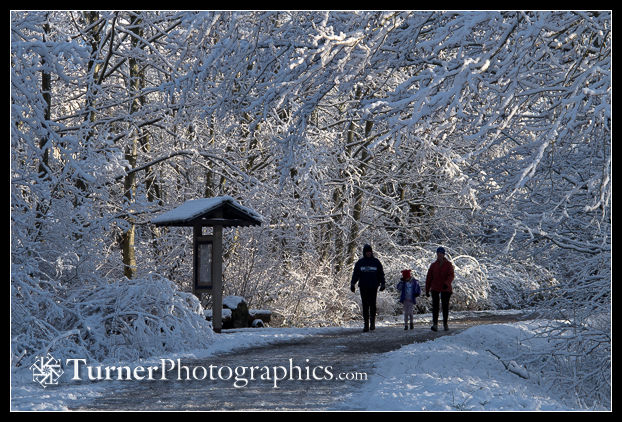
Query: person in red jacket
point(438, 281)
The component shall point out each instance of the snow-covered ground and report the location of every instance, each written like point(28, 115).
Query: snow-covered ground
point(460, 372)
point(471, 370)
point(27, 395)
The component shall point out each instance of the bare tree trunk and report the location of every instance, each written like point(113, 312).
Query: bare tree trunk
point(136, 83)
point(342, 246)
point(46, 92)
point(357, 208)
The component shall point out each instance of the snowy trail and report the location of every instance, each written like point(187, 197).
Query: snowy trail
point(347, 352)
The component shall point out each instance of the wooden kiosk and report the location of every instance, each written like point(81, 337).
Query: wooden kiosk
point(217, 212)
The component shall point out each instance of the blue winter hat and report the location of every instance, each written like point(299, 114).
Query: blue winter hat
point(440, 249)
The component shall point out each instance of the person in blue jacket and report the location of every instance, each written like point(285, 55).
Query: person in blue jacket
point(409, 290)
point(368, 272)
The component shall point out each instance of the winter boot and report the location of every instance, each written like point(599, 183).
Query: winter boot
point(411, 326)
point(372, 324)
point(406, 327)
point(445, 326)
point(434, 327)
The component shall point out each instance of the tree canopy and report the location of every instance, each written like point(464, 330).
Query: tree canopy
point(486, 132)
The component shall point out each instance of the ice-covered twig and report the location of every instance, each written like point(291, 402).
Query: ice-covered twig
point(512, 366)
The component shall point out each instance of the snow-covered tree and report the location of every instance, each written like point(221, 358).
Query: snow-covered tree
point(487, 132)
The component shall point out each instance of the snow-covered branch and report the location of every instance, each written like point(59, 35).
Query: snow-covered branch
point(487, 132)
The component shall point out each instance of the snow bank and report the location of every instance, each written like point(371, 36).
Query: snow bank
point(472, 370)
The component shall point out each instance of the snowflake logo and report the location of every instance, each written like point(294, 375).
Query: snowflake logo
point(46, 370)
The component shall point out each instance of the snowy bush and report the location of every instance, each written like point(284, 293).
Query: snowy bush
point(580, 334)
point(308, 295)
point(574, 361)
point(140, 317)
point(480, 282)
point(471, 286)
point(126, 319)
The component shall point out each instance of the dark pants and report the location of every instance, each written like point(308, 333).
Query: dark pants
point(368, 297)
point(444, 299)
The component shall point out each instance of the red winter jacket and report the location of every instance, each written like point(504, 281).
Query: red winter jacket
point(439, 277)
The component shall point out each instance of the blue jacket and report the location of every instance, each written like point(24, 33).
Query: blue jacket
point(416, 291)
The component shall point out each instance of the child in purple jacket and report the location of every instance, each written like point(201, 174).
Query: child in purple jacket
point(409, 289)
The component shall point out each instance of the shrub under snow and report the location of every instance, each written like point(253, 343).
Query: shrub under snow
point(126, 319)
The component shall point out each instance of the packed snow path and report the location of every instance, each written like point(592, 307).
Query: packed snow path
point(345, 351)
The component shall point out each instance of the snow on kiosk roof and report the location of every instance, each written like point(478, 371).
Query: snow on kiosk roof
point(220, 210)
